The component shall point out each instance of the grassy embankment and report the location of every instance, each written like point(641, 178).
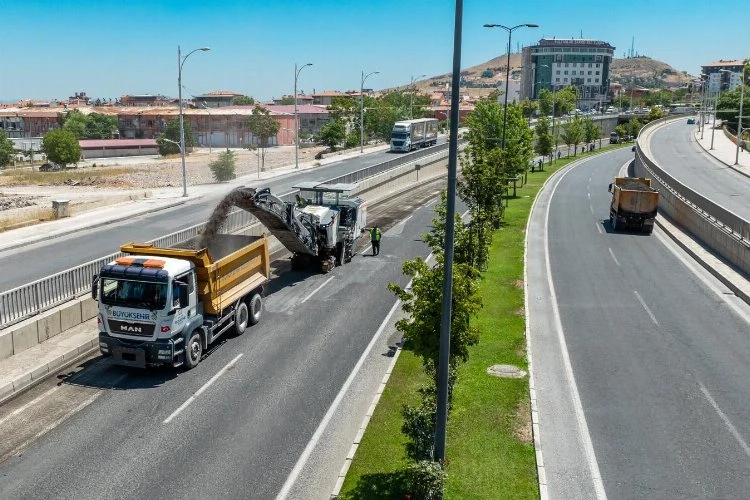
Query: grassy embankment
point(490, 448)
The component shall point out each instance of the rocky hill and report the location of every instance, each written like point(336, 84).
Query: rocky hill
point(647, 72)
point(481, 79)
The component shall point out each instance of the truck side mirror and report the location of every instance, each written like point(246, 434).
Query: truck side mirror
point(610, 187)
point(95, 287)
point(184, 299)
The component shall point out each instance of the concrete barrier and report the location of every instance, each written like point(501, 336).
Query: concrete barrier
point(43, 327)
point(722, 232)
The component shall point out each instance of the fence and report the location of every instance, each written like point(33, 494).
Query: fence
point(31, 299)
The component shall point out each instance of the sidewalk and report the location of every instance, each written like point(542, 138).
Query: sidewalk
point(23, 370)
point(723, 149)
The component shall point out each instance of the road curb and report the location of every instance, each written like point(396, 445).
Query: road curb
point(28, 380)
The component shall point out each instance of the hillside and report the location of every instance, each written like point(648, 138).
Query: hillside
point(642, 71)
point(648, 72)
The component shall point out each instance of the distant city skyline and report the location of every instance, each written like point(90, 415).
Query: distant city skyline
point(52, 50)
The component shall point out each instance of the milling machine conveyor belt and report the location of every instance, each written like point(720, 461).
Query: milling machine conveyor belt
point(274, 214)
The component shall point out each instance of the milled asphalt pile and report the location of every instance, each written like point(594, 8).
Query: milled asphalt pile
point(631, 185)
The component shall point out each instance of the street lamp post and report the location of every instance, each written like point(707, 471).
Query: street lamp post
point(296, 121)
point(507, 69)
point(411, 98)
point(180, 61)
point(362, 110)
point(739, 119)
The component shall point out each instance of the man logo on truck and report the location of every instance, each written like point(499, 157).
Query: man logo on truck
point(131, 329)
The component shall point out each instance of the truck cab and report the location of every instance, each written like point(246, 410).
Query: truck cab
point(145, 299)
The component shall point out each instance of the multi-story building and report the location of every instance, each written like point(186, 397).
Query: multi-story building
point(555, 64)
point(723, 75)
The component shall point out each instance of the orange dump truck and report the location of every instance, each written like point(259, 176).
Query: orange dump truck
point(634, 204)
point(166, 305)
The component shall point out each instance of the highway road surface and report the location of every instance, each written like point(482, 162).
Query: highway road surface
point(641, 359)
point(675, 150)
point(241, 424)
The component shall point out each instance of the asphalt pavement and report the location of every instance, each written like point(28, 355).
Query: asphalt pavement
point(639, 355)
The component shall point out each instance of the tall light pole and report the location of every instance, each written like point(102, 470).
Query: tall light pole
point(180, 61)
point(739, 120)
point(411, 98)
point(296, 121)
point(507, 68)
point(362, 110)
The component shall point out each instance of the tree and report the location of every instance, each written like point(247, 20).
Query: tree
point(333, 133)
point(654, 114)
point(728, 107)
point(91, 126)
point(223, 167)
point(7, 151)
point(243, 100)
point(621, 130)
point(263, 126)
point(565, 100)
point(61, 146)
point(545, 102)
point(528, 107)
point(573, 133)
point(590, 130)
point(169, 140)
point(544, 140)
point(634, 126)
point(287, 99)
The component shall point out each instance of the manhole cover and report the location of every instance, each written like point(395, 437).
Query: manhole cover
point(507, 371)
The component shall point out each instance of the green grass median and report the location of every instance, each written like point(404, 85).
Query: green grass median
point(490, 451)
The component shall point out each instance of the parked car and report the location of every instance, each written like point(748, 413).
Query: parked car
point(691, 121)
point(50, 167)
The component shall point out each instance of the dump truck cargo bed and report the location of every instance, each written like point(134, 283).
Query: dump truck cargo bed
point(226, 270)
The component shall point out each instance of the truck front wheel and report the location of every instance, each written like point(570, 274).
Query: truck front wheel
point(193, 350)
point(241, 317)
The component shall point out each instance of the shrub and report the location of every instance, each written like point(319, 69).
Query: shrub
point(426, 479)
point(223, 167)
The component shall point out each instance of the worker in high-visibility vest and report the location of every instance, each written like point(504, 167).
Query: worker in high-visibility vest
point(375, 239)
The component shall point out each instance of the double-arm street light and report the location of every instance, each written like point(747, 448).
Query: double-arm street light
point(362, 110)
point(507, 68)
point(180, 61)
point(411, 98)
point(296, 121)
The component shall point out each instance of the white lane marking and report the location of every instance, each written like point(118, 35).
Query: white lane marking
point(316, 290)
point(598, 225)
point(689, 263)
point(404, 220)
point(643, 303)
point(591, 209)
point(429, 203)
point(726, 420)
point(202, 389)
point(588, 446)
point(34, 401)
point(614, 258)
point(302, 460)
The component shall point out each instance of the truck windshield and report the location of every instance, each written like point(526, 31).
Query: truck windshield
point(137, 294)
point(399, 135)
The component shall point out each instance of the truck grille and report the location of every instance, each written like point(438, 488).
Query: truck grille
point(136, 329)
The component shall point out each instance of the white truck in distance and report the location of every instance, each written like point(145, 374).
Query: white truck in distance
point(414, 134)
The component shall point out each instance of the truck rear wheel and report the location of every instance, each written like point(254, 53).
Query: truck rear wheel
point(256, 307)
point(193, 350)
point(241, 318)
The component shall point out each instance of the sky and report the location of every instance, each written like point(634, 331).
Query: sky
point(51, 49)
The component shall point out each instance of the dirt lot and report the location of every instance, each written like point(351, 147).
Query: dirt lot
point(27, 193)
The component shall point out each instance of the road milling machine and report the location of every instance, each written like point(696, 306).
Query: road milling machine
point(320, 227)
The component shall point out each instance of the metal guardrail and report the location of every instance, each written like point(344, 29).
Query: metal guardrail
point(31, 299)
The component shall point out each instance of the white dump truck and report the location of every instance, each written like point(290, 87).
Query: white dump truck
point(413, 134)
